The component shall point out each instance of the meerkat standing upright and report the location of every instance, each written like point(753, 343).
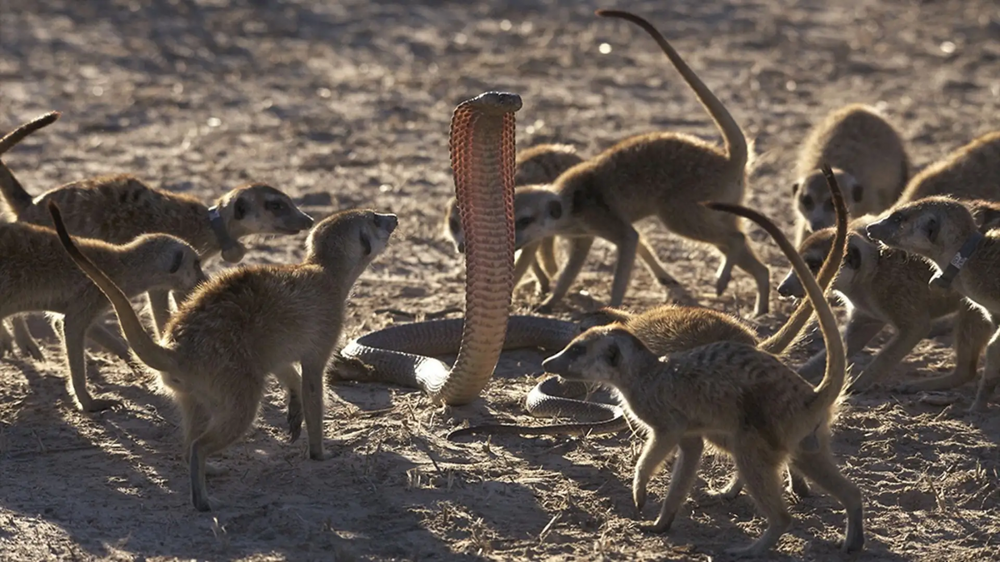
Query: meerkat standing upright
point(943, 231)
point(746, 400)
point(119, 208)
point(245, 323)
point(664, 174)
point(868, 157)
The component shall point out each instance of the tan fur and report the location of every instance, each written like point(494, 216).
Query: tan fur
point(746, 400)
point(117, 208)
point(936, 228)
point(970, 172)
point(986, 214)
point(37, 275)
point(656, 174)
point(537, 165)
point(245, 323)
point(867, 156)
point(888, 286)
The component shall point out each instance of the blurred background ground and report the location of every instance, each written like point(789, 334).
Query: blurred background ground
point(345, 104)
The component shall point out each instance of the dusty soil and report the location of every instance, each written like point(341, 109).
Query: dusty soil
point(347, 104)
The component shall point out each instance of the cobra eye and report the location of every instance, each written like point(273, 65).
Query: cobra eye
point(807, 203)
point(366, 244)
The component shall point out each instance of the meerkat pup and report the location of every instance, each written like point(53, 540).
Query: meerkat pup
point(943, 231)
point(887, 287)
point(120, 207)
point(37, 275)
point(868, 158)
point(664, 174)
point(750, 403)
point(217, 350)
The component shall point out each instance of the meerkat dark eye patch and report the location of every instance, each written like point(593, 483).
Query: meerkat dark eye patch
point(814, 265)
point(366, 244)
point(274, 206)
point(858, 193)
point(240, 209)
point(178, 260)
point(807, 203)
point(795, 188)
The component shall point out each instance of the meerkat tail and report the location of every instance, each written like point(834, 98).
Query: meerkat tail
point(790, 331)
point(149, 352)
point(10, 188)
point(832, 385)
point(736, 143)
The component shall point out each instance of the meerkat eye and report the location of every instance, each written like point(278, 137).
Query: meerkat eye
point(814, 264)
point(178, 260)
point(524, 222)
point(807, 203)
point(614, 355)
point(366, 244)
point(276, 205)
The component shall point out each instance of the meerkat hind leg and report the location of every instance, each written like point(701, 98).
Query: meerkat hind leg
point(194, 421)
point(972, 333)
point(991, 375)
point(760, 470)
point(313, 400)
point(821, 468)
point(6, 340)
point(230, 419)
point(292, 382)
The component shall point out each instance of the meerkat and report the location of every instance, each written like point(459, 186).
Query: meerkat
point(943, 231)
point(218, 349)
point(887, 287)
point(118, 208)
point(868, 157)
point(37, 275)
point(969, 172)
point(762, 412)
point(668, 329)
point(664, 174)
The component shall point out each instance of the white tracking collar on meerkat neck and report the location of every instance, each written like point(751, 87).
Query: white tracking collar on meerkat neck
point(230, 248)
point(943, 279)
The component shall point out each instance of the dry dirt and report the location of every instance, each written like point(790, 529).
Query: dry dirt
point(347, 104)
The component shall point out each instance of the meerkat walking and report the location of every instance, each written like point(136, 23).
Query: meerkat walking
point(37, 275)
point(943, 231)
point(218, 349)
point(760, 411)
point(868, 157)
point(120, 207)
point(664, 174)
point(886, 286)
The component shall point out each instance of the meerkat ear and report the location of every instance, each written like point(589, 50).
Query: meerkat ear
point(555, 209)
point(932, 227)
point(614, 355)
point(178, 260)
point(240, 209)
point(852, 258)
point(857, 193)
point(795, 188)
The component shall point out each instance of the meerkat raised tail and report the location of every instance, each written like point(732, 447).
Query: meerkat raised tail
point(120, 207)
point(661, 174)
point(943, 231)
point(37, 275)
point(868, 158)
point(756, 407)
point(219, 348)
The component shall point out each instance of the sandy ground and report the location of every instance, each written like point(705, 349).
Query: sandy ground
point(347, 104)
